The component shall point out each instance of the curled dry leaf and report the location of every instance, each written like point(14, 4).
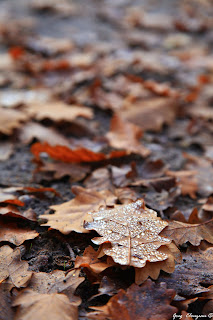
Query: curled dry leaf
point(11, 232)
point(12, 267)
point(133, 233)
point(150, 301)
point(32, 305)
point(125, 135)
point(90, 261)
point(181, 232)
point(65, 154)
point(58, 111)
point(69, 216)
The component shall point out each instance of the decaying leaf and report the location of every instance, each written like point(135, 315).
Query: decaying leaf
point(125, 135)
point(34, 305)
point(13, 267)
point(194, 274)
point(69, 216)
point(65, 154)
point(150, 301)
point(7, 311)
point(133, 233)
point(187, 181)
point(181, 232)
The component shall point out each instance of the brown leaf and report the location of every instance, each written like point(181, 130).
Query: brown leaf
point(56, 282)
point(11, 232)
point(69, 216)
point(11, 119)
point(132, 231)
point(187, 181)
point(194, 274)
point(33, 130)
point(181, 232)
point(150, 301)
point(58, 111)
point(75, 171)
point(90, 261)
point(65, 154)
point(33, 305)
point(152, 269)
point(125, 135)
point(151, 114)
point(7, 312)
point(13, 267)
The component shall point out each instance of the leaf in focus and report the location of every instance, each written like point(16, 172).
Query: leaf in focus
point(69, 216)
point(149, 301)
point(181, 232)
point(65, 154)
point(125, 135)
point(133, 233)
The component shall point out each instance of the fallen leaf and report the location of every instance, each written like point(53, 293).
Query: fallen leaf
point(76, 172)
point(132, 231)
point(65, 154)
point(11, 119)
point(33, 130)
point(58, 111)
point(186, 180)
point(7, 312)
point(69, 216)
point(150, 301)
point(33, 305)
point(12, 267)
point(56, 282)
point(193, 275)
point(181, 232)
point(11, 232)
point(90, 261)
point(125, 135)
point(151, 114)
point(6, 150)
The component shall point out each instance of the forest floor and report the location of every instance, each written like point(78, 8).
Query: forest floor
point(125, 88)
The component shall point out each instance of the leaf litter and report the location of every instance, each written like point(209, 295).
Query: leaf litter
point(109, 108)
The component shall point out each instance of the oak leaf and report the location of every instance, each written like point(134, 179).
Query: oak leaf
point(56, 306)
point(125, 135)
point(150, 301)
point(130, 234)
point(65, 154)
point(12, 267)
point(181, 232)
point(69, 216)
